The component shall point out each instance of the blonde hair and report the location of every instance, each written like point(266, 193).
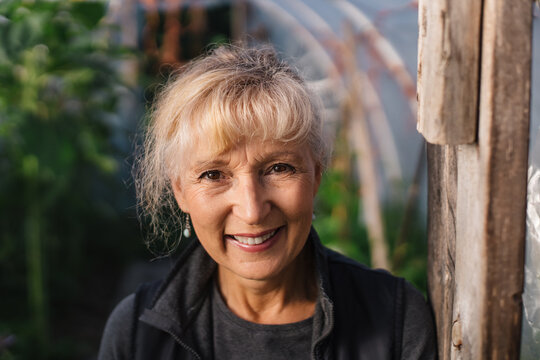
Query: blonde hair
point(233, 94)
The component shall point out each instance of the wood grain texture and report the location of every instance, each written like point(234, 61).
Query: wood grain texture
point(479, 189)
point(442, 198)
point(448, 63)
point(504, 134)
point(471, 221)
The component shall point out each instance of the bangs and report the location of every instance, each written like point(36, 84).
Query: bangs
point(229, 115)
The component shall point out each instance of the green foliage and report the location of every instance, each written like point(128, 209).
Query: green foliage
point(337, 212)
point(58, 97)
point(339, 222)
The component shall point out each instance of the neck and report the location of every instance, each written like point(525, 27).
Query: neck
point(285, 298)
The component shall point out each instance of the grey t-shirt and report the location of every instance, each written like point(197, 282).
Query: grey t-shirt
point(238, 339)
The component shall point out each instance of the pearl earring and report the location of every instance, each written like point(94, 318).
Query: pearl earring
point(187, 227)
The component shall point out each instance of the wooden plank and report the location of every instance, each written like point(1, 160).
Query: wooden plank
point(470, 290)
point(491, 201)
point(498, 165)
point(484, 185)
point(448, 63)
point(442, 196)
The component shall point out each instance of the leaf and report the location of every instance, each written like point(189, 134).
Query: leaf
point(88, 13)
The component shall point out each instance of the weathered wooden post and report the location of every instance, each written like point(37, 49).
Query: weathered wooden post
point(473, 91)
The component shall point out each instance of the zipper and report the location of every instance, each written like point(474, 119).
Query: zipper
point(317, 356)
point(183, 344)
point(149, 318)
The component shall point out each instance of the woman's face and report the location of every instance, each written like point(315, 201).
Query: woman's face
point(251, 206)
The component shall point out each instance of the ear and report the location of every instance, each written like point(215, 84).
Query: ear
point(179, 195)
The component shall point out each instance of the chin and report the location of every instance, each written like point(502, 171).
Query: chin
point(258, 271)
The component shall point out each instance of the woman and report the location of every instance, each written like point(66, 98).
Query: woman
point(236, 144)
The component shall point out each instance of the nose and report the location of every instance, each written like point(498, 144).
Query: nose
point(251, 203)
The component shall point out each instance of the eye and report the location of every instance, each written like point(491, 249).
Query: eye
point(212, 175)
point(280, 168)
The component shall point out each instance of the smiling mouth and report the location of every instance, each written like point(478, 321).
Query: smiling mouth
point(254, 240)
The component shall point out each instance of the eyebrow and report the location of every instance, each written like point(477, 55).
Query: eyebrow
point(205, 164)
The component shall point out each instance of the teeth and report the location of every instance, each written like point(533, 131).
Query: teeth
point(254, 240)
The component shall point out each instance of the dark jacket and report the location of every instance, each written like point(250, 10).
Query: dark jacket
point(361, 313)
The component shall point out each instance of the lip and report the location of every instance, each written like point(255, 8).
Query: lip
point(256, 247)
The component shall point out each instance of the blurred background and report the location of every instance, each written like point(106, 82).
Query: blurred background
point(76, 78)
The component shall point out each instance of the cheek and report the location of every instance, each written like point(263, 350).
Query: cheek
point(207, 214)
point(199, 198)
point(297, 201)
point(208, 222)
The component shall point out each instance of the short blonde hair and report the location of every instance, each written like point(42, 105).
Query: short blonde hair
point(232, 94)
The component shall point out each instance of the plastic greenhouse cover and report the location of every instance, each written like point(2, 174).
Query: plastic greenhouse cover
point(531, 295)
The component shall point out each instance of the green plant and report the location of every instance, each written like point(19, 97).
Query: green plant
point(58, 98)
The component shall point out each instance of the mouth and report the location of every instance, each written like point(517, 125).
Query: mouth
point(255, 242)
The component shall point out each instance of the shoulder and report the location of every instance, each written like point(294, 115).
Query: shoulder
point(119, 332)
point(419, 339)
point(116, 339)
point(368, 298)
point(373, 301)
